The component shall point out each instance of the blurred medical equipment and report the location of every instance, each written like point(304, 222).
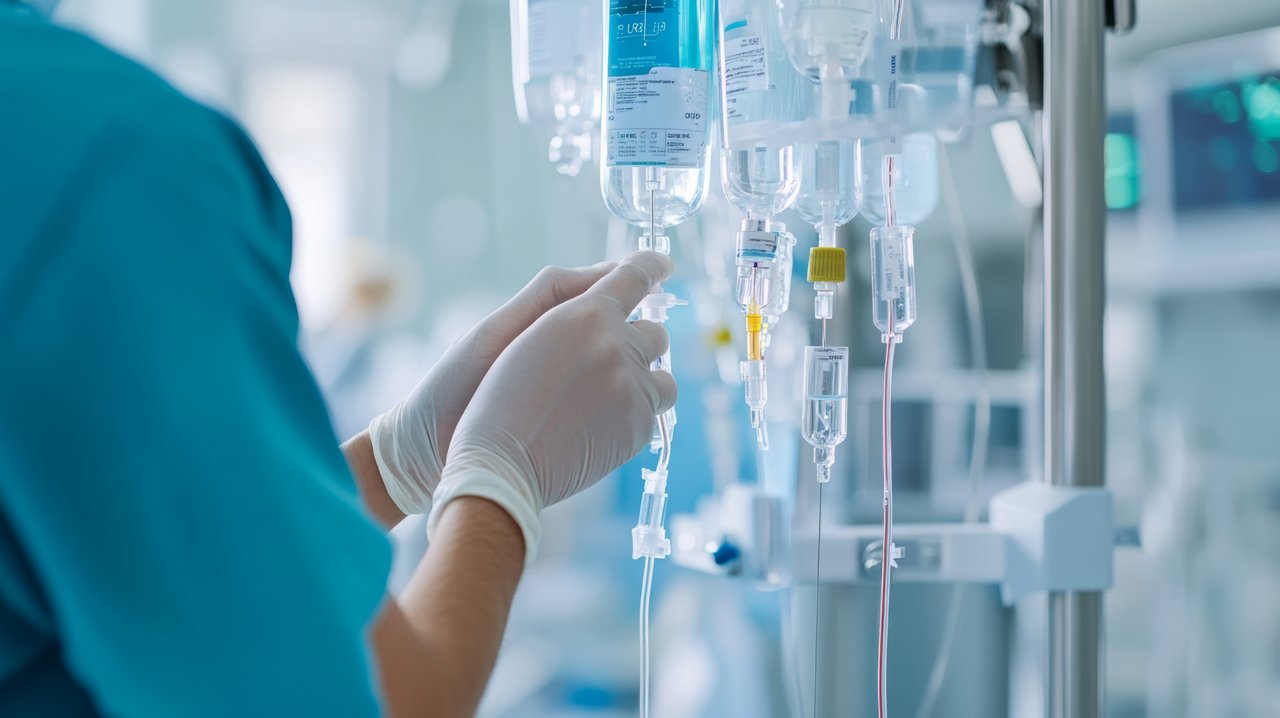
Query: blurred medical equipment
point(556, 65)
point(656, 142)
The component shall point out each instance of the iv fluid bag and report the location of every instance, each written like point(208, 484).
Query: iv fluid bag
point(556, 64)
point(830, 183)
point(656, 130)
point(936, 62)
point(831, 34)
point(760, 98)
point(915, 184)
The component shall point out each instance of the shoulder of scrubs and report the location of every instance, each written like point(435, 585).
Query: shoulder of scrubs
point(179, 533)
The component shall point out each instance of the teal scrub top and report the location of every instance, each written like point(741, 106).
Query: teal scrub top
point(179, 532)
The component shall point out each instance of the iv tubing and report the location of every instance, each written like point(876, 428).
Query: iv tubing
point(664, 459)
point(646, 587)
point(886, 542)
point(817, 604)
point(646, 584)
point(886, 550)
point(895, 33)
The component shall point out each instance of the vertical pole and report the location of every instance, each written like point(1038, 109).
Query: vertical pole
point(1074, 400)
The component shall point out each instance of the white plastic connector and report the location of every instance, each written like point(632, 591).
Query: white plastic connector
point(660, 244)
point(756, 392)
point(824, 300)
point(649, 537)
point(654, 308)
point(655, 305)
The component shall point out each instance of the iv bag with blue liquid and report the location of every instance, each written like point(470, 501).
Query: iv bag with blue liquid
point(658, 109)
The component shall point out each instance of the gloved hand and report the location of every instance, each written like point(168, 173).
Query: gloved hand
point(410, 440)
point(569, 401)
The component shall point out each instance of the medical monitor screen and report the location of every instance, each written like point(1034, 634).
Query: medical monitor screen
point(1226, 144)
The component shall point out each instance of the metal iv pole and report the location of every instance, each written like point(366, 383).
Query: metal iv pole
point(1074, 295)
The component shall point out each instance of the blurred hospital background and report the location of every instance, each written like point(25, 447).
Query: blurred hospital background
point(421, 202)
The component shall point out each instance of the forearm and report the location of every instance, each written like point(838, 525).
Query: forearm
point(437, 644)
point(373, 492)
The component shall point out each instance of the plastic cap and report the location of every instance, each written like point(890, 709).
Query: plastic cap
point(826, 264)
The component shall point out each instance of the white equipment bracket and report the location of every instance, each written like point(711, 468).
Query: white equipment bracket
point(1040, 538)
point(1059, 538)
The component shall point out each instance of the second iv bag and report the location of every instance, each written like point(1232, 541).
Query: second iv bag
point(827, 35)
point(556, 63)
point(915, 179)
point(656, 128)
point(828, 40)
point(758, 172)
point(761, 102)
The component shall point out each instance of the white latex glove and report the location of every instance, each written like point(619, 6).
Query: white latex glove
point(570, 400)
point(410, 440)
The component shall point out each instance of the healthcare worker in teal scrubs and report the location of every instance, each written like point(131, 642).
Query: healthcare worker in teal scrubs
point(180, 532)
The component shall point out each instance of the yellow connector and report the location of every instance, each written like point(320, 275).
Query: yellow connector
point(826, 264)
point(754, 324)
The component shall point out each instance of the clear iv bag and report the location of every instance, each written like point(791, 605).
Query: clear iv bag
point(556, 65)
point(761, 99)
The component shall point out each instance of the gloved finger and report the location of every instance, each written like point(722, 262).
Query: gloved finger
point(633, 279)
point(663, 389)
point(552, 287)
point(651, 339)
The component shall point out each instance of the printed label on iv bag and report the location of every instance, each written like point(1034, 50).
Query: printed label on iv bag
point(658, 119)
point(758, 246)
point(557, 30)
point(745, 70)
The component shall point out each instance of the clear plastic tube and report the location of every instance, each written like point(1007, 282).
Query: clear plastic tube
point(817, 605)
point(646, 588)
point(888, 552)
point(650, 525)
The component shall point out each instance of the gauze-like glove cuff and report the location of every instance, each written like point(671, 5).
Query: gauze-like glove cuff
point(404, 472)
point(486, 475)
